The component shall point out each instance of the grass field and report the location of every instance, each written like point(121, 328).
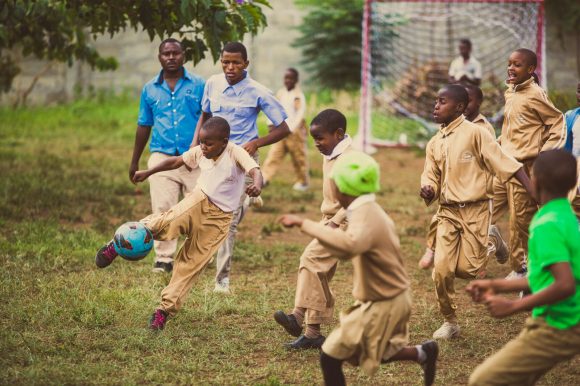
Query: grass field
point(64, 189)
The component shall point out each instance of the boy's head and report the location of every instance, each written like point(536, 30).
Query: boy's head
point(521, 65)
point(354, 174)
point(234, 61)
point(327, 129)
point(290, 78)
point(171, 55)
point(465, 48)
point(554, 174)
point(213, 137)
point(475, 98)
point(450, 103)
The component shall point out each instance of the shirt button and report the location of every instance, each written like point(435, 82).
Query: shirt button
point(172, 97)
point(169, 104)
point(174, 110)
point(175, 122)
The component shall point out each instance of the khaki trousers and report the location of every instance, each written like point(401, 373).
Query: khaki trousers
point(165, 188)
point(295, 145)
point(523, 360)
point(205, 227)
point(522, 208)
point(461, 249)
point(316, 270)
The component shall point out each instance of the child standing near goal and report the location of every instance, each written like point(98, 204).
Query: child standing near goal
point(204, 216)
point(314, 300)
point(375, 329)
point(460, 161)
point(531, 125)
point(552, 334)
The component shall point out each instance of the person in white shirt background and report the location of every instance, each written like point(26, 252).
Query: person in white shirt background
point(465, 68)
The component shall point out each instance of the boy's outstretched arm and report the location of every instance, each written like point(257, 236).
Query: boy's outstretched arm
point(167, 164)
point(523, 178)
point(255, 188)
point(276, 134)
point(482, 289)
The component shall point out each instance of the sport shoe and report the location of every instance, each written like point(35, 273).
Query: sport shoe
point(515, 275)
point(158, 319)
point(500, 246)
point(431, 348)
point(288, 322)
point(105, 255)
point(222, 286)
point(300, 187)
point(254, 202)
point(426, 261)
point(447, 331)
point(304, 343)
point(161, 266)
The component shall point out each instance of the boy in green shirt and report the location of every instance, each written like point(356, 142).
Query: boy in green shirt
point(552, 334)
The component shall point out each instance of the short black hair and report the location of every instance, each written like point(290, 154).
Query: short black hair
point(217, 125)
point(330, 120)
point(556, 172)
point(457, 93)
point(465, 41)
point(531, 57)
point(475, 89)
point(294, 71)
point(236, 47)
point(170, 40)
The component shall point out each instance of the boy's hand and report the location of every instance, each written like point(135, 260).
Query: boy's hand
point(251, 147)
point(499, 306)
point(332, 225)
point(427, 192)
point(140, 176)
point(480, 290)
point(290, 220)
point(253, 190)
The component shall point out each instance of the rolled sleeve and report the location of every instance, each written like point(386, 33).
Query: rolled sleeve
point(145, 112)
point(191, 157)
point(272, 108)
point(243, 159)
point(205, 100)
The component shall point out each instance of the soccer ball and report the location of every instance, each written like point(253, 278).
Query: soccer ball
point(133, 241)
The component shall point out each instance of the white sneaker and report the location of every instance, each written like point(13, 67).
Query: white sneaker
point(515, 275)
point(222, 286)
point(300, 187)
point(447, 331)
point(254, 202)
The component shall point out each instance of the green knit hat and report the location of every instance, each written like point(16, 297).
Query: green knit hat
point(356, 173)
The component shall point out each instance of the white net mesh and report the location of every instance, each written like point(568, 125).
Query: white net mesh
point(411, 45)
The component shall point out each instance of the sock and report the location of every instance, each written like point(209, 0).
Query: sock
point(331, 370)
point(312, 331)
point(421, 354)
point(298, 313)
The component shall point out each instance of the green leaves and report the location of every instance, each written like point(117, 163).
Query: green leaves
point(61, 29)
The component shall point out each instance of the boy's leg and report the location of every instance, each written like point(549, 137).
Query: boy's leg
point(331, 370)
point(298, 153)
point(523, 360)
point(274, 159)
point(496, 245)
point(475, 220)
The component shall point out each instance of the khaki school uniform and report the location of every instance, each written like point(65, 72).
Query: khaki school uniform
point(376, 327)
point(531, 125)
point(317, 264)
point(204, 217)
point(459, 164)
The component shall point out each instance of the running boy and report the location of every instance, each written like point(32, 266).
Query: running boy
point(552, 334)
point(204, 216)
point(314, 301)
point(292, 99)
point(531, 125)
point(376, 328)
point(460, 162)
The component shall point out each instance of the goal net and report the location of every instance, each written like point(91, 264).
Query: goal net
point(407, 50)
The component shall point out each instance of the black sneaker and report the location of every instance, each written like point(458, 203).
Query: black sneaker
point(304, 343)
point(105, 255)
point(432, 350)
point(288, 322)
point(160, 266)
point(158, 320)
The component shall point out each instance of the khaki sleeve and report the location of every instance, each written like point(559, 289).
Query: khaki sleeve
point(191, 157)
point(431, 173)
point(343, 244)
point(243, 159)
point(553, 120)
point(339, 217)
point(496, 161)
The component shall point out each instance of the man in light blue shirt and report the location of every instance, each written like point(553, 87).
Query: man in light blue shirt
point(239, 99)
point(171, 106)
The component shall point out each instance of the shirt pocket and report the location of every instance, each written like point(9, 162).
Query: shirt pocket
point(244, 111)
point(193, 103)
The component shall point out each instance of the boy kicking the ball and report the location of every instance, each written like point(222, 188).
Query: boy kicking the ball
point(203, 217)
point(375, 329)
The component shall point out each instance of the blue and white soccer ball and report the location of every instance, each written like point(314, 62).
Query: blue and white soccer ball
point(133, 241)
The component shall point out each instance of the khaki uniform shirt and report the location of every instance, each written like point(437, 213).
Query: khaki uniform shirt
point(482, 121)
point(372, 244)
point(461, 160)
point(330, 207)
point(531, 122)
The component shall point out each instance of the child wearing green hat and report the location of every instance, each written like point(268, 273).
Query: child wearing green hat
point(376, 328)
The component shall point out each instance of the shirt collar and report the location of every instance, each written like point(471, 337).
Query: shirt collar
point(340, 147)
point(185, 76)
point(479, 118)
point(360, 201)
point(521, 86)
point(446, 130)
point(238, 87)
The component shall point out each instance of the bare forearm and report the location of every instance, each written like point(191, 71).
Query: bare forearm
point(276, 134)
point(167, 164)
point(256, 175)
point(523, 178)
point(515, 285)
point(141, 137)
point(552, 294)
point(202, 119)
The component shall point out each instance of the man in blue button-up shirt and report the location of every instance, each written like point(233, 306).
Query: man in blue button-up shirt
point(239, 99)
point(171, 105)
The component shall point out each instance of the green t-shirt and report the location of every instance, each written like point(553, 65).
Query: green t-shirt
point(555, 238)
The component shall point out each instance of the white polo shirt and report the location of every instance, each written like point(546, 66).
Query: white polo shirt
point(222, 180)
point(471, 69)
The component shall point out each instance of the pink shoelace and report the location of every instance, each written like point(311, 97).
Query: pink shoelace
point(158, 320)
point(109, 253)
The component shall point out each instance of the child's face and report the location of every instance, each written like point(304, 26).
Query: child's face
point(464, 50)
point(212, 145)
point(233, 66)
point(518, 69)
point(290, 80)
point(472, 109)
point(446, 109)
point(324, 140)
